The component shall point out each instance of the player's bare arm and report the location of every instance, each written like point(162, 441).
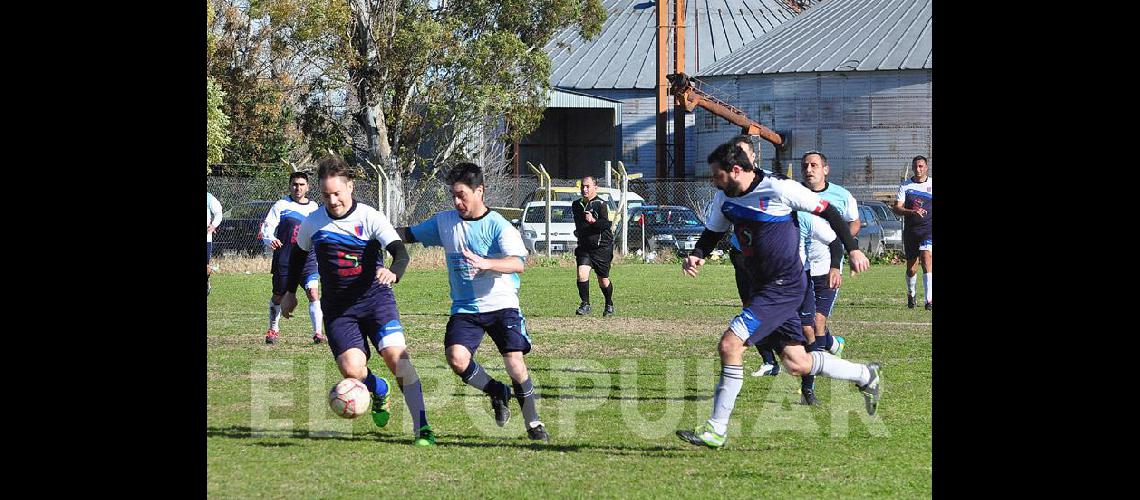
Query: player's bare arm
point(508, 264)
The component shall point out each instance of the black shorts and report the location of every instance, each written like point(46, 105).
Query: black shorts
point(598, 258)
point(916, 240)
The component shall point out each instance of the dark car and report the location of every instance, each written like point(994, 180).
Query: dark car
point(667, 227)
point(871, 233)
point(892, 224)
point(238, 233)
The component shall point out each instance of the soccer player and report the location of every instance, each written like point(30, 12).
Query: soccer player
point(914, 202)
point(484, 254)
point(760, 207)
point(348, 238)
point(815, 169)
point(595, 245)
point(279, 232)
point(213, 220)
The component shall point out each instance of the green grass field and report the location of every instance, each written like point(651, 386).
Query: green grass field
point(613, 391)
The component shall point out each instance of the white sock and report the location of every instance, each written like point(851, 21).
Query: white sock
point(911, 282)
point(274, 315)
point(316, 316)
point(731, 380)
point(926, 279)
point(832, 367)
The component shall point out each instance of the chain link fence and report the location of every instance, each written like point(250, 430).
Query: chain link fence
point(246, 200)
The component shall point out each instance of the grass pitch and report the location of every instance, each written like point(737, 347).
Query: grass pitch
point(613, 391)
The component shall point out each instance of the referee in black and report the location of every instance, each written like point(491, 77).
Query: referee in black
point(595, 245)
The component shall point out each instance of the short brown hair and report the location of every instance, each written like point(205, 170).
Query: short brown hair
point(332, 166)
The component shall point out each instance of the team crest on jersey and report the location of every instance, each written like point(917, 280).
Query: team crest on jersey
point(763, 205)
point(358, 228)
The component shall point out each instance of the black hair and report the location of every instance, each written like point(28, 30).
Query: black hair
point(729, 154)
point(467, 173)
point(814, 152)
point(914, 160)
point(298, 175)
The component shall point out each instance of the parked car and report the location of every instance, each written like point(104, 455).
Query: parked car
point(611, 196)
point(870, 234)
point(240, 228)
point(667, 227)
point(892, 224)
point(533, 227)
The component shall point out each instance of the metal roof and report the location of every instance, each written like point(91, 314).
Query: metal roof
point(840, 35)
point(624, 54)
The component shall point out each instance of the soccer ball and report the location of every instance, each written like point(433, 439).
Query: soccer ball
point(350, 398)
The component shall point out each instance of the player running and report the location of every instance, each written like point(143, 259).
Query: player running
point(484, 253)
point(279, 232)
point(347, 238)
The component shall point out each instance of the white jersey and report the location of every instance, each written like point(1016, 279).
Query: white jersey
point(213, 214)
point(815, 236)
point(284, 219)
point(490, 236)
point(348, 250)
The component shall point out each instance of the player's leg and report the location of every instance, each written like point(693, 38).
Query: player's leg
point(312, 290)
point(925, 257)
point(507, 329)
point(278, 272)
point(713, 432)
point(866, 377)
point(349, 347)
point(767, 308)
point(209, 271)
point(274, 313)
point(582, 256)
point(910, 248)
point(601, 260)
point(382, 322)
point(464, 333)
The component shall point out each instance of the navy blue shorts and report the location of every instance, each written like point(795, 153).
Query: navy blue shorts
point(915, 241)
point(209, 251)
point(772, 318)
point(808, 306)
point(507, 327)
point(824, 296)
point(374, 316)
point(308, 275)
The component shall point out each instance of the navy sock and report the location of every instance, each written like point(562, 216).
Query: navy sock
point(768, 355)
point(475, 376)
point(584, 291)
point(524, 392)
point(807, 382)
point(377, 385)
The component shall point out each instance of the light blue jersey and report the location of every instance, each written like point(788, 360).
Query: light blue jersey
point(840, 198)
point(490, 236)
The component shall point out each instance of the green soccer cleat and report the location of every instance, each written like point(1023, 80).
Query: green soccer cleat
point(703, 435)
point(382, 407)
point(426, 437)
point(840, 344)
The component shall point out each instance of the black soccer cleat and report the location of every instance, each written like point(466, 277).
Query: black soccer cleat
point(583, 309)
point(501, 404)
point(910, 302)
point(807, 397)
point(537, 432)
point(929, 306)
point(609, 311)
point(871, 390)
